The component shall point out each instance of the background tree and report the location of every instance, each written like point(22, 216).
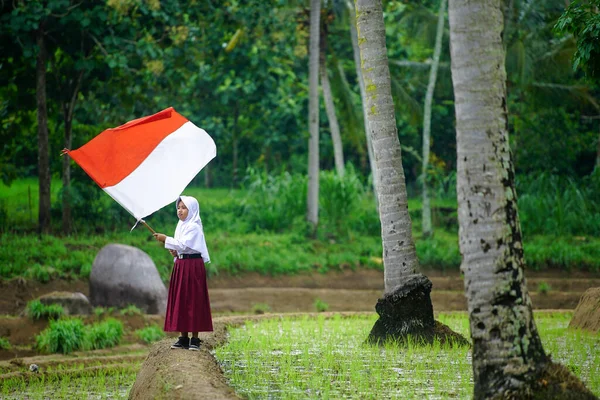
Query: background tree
point(427, 226)
point(405, 310)
point(508, 357)
point(313, 115)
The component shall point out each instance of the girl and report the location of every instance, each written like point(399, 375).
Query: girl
point(188, 305)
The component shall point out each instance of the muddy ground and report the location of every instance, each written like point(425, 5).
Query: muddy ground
point(181, 374)
point(342, 291)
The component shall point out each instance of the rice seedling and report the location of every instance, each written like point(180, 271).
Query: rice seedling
point(319, 357)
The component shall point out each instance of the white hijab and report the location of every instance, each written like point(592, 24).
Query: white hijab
point(190, 232)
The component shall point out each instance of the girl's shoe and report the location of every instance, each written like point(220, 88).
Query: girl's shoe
point(194, 344)
point(183, 342)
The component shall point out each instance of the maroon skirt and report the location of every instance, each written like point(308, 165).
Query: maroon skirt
point(188, 305)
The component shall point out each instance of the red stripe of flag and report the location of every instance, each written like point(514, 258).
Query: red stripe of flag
point(117, 152)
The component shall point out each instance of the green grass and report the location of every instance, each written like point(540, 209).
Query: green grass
point(261, 228)
point(325, 358)
point(150, 334)
point(4, 344)
point(70, 334)
point(131, 310)
point(36, 310)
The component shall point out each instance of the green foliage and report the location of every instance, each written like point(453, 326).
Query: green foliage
point(36, 310)
point(62, 336)
point(552, 205)
point(320, 305)
point(150, 334)
point(4, 344)
point(102, 311)
point(339, 198)
point(581, 19)
point(274, 202)
point(102, 335)
point(131, 310)
point(260, 308)
point(543, 287)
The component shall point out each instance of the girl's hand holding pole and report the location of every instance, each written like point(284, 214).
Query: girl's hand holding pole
point(160, 237)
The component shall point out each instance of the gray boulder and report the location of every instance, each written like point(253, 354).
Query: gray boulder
point(74, 303)
point(123, 275)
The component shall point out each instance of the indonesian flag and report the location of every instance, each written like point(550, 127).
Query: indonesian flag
point(146, 163)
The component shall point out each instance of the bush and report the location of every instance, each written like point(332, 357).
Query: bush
point(104, 334)
point(321, 306)
point(4, 344)
point(150, 334)
point(102, 311)
point(339, 198)
point(260, 308)
point(62, 336)
point(273, 202)
point(131, 310)
point(543, 287)
point(36, 310)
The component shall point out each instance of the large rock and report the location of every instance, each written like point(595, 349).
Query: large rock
point(74, 303)
point(123, 275)
point(587, 313)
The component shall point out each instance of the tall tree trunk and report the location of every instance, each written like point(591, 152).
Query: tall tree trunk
point(363, 94)
point(508, 358)
point(43, 147)
point(426, 218)
point(399, 254)
point(68, 109)
point(405, 310)
point(334, 127)
point(312, 214)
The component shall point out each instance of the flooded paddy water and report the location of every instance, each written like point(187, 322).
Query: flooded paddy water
point(84, 375)
point(326, 358)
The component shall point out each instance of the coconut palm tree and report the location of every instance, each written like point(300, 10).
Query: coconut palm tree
point(405, 309)
point(312, 214)
point(399, 254)
point(361, 85)
point(508, 358)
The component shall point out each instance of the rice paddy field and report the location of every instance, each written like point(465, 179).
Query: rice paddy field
point(94, 375)
point(322, 357)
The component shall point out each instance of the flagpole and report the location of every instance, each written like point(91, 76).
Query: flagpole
point(148, 226)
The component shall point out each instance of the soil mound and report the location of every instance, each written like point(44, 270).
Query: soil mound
point(587, 313)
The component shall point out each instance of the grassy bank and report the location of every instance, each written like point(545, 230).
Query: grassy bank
point(326, 358)
point(261, 228)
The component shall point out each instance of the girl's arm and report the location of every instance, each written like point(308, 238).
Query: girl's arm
point(172, 243)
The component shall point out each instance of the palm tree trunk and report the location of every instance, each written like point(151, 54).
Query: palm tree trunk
point(313, 116)
point(426, 218)
point(334, 127)
point(43, 146)
point(399, 254)
point(508, 357)
point(363, 94)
